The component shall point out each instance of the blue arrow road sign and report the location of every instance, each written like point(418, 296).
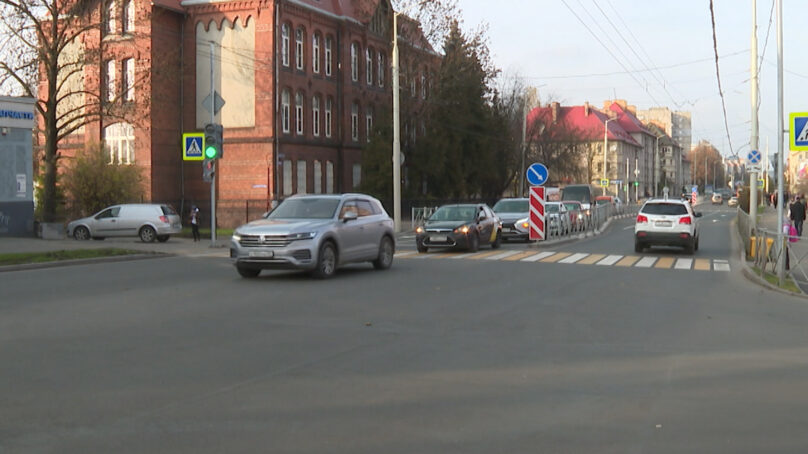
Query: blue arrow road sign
point(754, 157)
point(537, 174)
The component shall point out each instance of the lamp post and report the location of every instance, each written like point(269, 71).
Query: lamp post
point(605, 147)
point(396, 133)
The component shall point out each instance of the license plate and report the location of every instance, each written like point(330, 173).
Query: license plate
point(663, 223)
point(438, 238)
point(506, 230)
point(262, 254)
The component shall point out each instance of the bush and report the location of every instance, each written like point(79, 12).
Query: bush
point(91, 183)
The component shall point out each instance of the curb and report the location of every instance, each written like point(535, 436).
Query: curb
point(61, 263)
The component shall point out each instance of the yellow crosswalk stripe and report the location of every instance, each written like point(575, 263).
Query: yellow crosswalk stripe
point(592, 259)
point(483, 255)
point(520, 256)
point(702, 265)
point(664, 262)
point(556, 257)
point(628, 260)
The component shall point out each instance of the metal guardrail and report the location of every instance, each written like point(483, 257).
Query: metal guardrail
point(766, 248)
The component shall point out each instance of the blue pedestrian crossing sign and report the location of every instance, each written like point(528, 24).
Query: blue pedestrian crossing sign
point(798, 131)
point(192, 145)
point(754, 157)
point(537, 174)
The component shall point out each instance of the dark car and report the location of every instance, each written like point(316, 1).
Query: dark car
point(464, 226)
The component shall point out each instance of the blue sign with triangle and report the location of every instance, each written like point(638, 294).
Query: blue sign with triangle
point(192, 145)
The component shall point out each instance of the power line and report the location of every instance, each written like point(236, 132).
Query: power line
point(718, 77)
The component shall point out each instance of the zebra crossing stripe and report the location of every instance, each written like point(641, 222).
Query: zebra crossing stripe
point(556, 257)
point(702, 265)
point(573, 258)
point(537, 257)
point(720, 265)
point(405, 254)
point(610, 260)
point(502, 255)
point(424, 255)
point(483, 255)
point(628, 260)
point(664, 262)
point(462, 256)
point(683, 264)
point(592, 259)
point(519, 256)
point(646, 262)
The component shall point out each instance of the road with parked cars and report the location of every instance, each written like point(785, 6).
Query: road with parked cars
point(577, 345)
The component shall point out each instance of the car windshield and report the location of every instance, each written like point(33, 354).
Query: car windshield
point(511, 206)
point(454, 213)
point(306, 208)
point(572, 206)
point(552, 208)
point(601, 201)
point(670, 209)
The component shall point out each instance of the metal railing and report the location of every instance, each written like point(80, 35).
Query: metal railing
point(766, 248)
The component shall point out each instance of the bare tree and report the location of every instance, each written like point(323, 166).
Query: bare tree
point(435, 16)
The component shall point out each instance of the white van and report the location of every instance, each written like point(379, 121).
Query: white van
point(149, 221)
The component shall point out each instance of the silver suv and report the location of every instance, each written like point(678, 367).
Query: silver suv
point(316, 233)
point(667, 222)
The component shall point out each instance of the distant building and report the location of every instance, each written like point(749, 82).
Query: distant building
point(669, 155)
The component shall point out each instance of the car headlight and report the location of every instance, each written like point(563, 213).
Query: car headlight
point(302, 236)
point(236, 236)
point(463, 229)
point(419, 229)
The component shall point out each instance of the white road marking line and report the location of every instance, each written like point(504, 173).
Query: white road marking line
point(573, 258)
point(629, 227)
point(646, 262)
point(610, 260)
point(720, 265)
point(683, 264)
point(404, 254)
point(537, 257)
point(462, 256)
point(503, 255)
point(425, 255)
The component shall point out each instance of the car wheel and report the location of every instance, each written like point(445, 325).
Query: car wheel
point(386, 252)
point(498, 241)
point(419, 245)
point(690, 248)
point(474, 242)
point(248, 272)
point(162, 238)
point(638, 247)
point(147, 234)
point(81, 233)
point(326, 261)
point(696, 247)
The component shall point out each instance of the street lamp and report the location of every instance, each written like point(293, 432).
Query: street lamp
point(605, 147)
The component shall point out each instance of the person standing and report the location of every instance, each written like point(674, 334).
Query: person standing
point(195, 223)
point(798, 214)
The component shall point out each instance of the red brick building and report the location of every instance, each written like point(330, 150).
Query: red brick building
point(302, 81)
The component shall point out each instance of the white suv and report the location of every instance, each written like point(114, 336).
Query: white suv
point(667, 222)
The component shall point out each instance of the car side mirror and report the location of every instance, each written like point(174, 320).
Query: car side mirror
point(349, 216)
point(698, 215)
point(481, 217)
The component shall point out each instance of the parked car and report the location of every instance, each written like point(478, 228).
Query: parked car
point(509, 211)
point(315, 233)
point(557, 217)
point(149, 221)
point(732, 202)
point(667, 222)
point(717, 199)
point(576, 212)
point(464, 226)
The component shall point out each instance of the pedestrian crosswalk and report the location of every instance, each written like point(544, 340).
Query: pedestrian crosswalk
point(579, 258)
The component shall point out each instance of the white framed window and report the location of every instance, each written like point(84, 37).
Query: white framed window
point(128, 82)
point(111, 17)
point(423, 86)
point(368, 123)
point(119, 140)
point(355, 122)
point(301, 177)
point(328, 45)
point(329, 177)
point(328, 108)
point(128, 19)
point(299, 48)
point(315, 53)
point(357, 175)
point(285, 44)
point(287, 177)
point(318, 177)
point(110, 73)
point(299, 113)
point(382, 69)
point(285, 114)
point(315, 116)
point(369, 66)
point(354, 62)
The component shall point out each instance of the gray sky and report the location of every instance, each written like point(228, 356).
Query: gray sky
point(543, 42)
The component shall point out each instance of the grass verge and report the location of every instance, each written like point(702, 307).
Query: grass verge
point(20, 258)
point(772, 279)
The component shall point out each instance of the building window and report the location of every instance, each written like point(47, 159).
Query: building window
point(299, 49)
point(318, 177)
point(315, 53)
point(329, 177)
point(285, 111)
point(328, 45)
point(354, 62)
point(369, 66)
point(129, 79)
point(299, 113)
point(328, 107)
point(110, 72)
point(111, 17)
point(368, 123)
point(423, 86)
point(301, 177)
point(355, 122)
point(287, 177)
point(382, 69)
point(285, 44)
point(128, 19)
point(119, 140)
point(315, 116)
point(357, 175)
point(413, 90)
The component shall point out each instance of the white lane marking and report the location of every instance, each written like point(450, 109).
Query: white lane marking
point(720, 265)
point(462, 256)
point(573, 258)
point(683, 264)
point(610, 260)
point(503, 255)
point(425, 255)
point(537, 257)
point(404, 254)
point(715, 220)
point(646, 262)
point(629, 227)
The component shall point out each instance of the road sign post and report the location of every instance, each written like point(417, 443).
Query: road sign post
point(536, 218)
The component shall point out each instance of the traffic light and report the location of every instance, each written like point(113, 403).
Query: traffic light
point(213, 141)
point(208, 170)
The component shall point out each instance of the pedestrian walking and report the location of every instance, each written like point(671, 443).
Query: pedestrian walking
point(797, 214)
point(195, 223)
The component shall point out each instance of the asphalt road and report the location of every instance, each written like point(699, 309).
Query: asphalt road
point(442, 354)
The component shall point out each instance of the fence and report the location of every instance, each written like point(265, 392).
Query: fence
point(766, 248)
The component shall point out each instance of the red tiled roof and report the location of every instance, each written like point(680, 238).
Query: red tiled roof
point(627, 120)
point(588, 127)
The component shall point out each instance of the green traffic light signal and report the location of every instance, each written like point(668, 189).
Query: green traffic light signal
point(213, 141)
point(210, 152)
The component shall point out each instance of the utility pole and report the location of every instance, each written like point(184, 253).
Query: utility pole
point(605, 146)
point(522, 170)
point(781, 269)
point(753, 141)
point(212, 180)
point(396, 133)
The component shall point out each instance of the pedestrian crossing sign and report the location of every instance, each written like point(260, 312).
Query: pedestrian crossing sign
point(798, 131)
point(192, 145)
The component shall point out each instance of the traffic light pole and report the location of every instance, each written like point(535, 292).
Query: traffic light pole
point(213, 180)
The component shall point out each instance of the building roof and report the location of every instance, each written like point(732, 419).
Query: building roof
point(586, 121)
point(173, 5)
point(627, 119)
